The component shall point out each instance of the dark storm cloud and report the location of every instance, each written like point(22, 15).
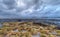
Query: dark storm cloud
point(29, 8)
point(9, 3)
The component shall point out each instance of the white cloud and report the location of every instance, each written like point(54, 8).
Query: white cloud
point(21, 4)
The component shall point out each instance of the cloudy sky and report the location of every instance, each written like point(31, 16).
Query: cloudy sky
point(29, 9)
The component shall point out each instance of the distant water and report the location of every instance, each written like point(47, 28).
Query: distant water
point(43, 21)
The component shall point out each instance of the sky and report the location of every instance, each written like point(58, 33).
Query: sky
point(27, 9)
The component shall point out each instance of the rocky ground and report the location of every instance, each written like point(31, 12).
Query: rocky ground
point(28, 29)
